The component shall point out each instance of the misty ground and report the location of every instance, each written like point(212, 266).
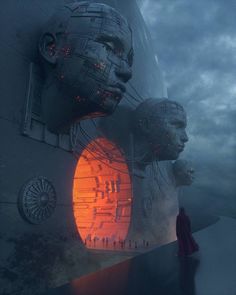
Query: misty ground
point(211, 271)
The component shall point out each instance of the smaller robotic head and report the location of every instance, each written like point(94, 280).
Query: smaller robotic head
point(86, 51)
point(161, 124)
point(183, 172)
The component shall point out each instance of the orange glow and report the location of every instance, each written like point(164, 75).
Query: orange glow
point(102, 194)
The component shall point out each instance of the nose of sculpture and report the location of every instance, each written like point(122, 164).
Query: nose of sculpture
point(124, 73)
point(184, 137)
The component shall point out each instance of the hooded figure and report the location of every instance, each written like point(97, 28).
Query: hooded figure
point(186, 242)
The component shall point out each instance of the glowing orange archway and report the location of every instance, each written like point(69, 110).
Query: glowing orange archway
point(102, 194)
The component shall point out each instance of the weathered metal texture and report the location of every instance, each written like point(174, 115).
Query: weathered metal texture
point(49, 253)
point(87, 55)
point(37, 200)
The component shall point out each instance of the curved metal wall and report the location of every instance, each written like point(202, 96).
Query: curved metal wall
point(22, 158)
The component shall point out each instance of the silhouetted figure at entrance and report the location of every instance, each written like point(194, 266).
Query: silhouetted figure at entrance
point(106, 241)
point(130, 243)
point(186, 242)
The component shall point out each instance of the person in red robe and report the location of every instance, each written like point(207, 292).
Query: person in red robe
point(186, 242)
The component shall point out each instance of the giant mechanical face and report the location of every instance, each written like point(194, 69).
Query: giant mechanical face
point(87, 55)
point(162, 123)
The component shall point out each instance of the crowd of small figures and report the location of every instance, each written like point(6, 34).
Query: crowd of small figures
point(106, 243)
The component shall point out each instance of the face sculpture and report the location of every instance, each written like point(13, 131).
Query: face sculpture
point(183, 172)
point(161, 124)
point(87, 55)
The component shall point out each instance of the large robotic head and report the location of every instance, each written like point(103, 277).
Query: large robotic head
point(86, 50)
point(183, 172)
point(161, 124)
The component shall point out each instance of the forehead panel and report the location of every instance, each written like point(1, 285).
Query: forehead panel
point(168, 112)
point(98, 19)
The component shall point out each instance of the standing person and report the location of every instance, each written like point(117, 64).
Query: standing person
point(186, 242)
point(130, 243)
point(106, 242)
point(94, 241)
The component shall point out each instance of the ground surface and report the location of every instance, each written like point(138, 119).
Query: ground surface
point(211, 272)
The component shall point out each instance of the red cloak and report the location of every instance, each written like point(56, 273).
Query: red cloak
point(186, 242)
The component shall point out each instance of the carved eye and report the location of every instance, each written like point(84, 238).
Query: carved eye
point(109, 45)
point(177, 124)
point(113, 47)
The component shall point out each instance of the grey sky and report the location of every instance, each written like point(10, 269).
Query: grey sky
point(196, 45)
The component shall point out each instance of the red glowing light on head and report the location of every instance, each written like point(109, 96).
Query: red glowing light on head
point(101, 66)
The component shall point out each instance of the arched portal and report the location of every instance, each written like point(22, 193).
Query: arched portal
point(102, 194)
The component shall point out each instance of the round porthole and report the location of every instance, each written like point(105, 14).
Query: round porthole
point(102, 194)
point(37, 200)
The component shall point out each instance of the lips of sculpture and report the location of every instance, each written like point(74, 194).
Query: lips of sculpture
point(180, 147)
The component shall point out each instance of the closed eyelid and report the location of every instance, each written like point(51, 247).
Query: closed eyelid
point(118, 42)
point(179, 123)
point(115, 40)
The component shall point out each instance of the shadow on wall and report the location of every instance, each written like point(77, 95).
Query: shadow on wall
point(41, 261)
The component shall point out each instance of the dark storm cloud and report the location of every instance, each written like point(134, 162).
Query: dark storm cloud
point(196, 46)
